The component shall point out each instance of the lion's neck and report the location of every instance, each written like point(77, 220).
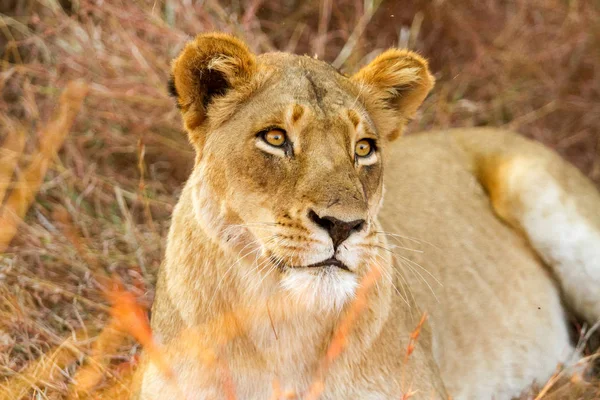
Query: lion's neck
point(212, 298)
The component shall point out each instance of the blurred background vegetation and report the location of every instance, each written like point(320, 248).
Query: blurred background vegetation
point(92, 201)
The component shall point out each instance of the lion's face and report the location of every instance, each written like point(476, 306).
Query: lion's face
point(289, 168)
point(295, 175)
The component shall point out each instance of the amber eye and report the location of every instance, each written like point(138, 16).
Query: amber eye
point(364, 148)
point(275, 137)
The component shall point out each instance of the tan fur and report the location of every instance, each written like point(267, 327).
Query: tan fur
point(235, 309)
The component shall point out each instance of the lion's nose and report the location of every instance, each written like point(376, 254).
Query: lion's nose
point(338, 230)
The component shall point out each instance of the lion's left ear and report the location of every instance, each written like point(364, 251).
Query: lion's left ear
point(400, 79)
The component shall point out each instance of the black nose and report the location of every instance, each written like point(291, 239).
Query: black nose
point(338, 230)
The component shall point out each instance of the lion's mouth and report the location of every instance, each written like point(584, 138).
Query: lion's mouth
point(330, 262)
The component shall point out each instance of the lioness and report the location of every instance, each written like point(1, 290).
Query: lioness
point(284, 221)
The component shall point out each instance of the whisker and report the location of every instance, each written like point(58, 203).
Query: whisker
point(277, 264)
point(417, 273)
point(412, 262)
point(226, 273)
point(388, 275)
point(262, 262)
point(423, 268)
point(396, 235)
point(394, 246)
point(397, 238)
point(257, 268)
point(259, 247)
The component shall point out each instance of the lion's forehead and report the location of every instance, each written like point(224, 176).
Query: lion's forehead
point(308, 81)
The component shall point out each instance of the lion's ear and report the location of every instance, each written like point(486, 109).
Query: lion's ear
point(400, 79)
point(207, 67)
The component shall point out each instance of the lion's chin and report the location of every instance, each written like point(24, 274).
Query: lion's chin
point(322, 289)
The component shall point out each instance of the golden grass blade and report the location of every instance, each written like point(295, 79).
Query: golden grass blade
point(43, 371)
point(88, 377)
point(10, 152)
point(53, 137)
point(356, 33)
point(117, 391)
point(410, 348)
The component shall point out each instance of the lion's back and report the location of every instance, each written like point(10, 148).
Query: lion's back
point(493, 306)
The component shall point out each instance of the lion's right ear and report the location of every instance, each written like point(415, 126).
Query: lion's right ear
point(207, 67)
point(399, 80)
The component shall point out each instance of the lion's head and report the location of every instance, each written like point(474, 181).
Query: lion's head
point(289, 163)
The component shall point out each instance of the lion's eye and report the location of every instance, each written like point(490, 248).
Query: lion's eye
point(275, 137)
point(364, 148)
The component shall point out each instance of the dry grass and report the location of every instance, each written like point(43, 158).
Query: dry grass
point(101, 210)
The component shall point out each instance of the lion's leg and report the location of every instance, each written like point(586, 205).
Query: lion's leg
point(557, 209)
